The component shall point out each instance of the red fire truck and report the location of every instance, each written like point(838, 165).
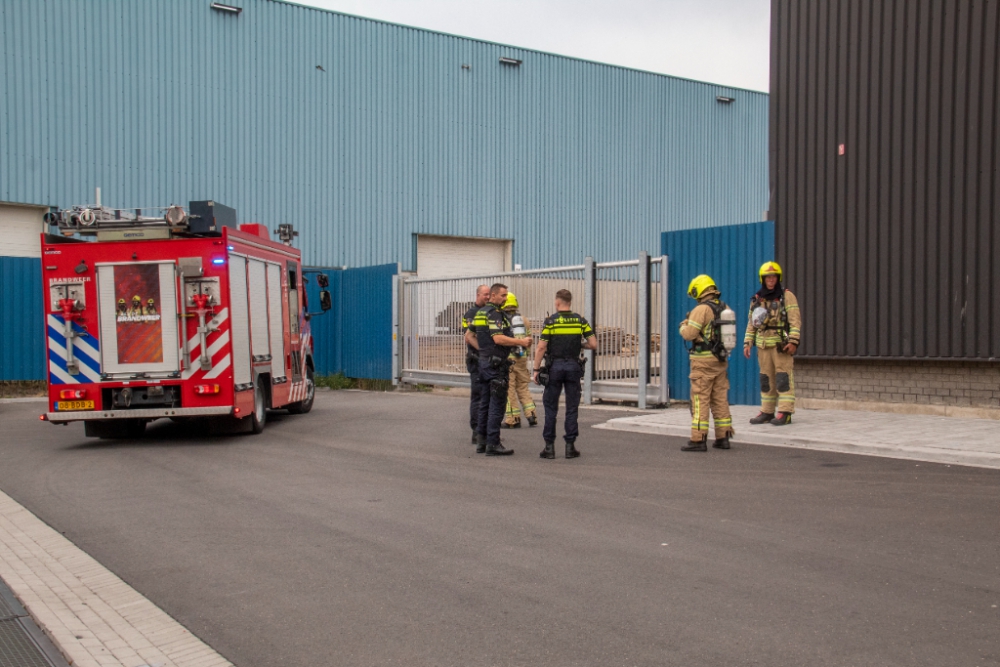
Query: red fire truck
point(175, 313)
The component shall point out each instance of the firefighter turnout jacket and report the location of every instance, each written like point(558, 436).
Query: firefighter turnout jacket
point(781, 325)
point(699, 326)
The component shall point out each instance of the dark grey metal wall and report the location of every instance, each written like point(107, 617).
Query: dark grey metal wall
point(884, 174)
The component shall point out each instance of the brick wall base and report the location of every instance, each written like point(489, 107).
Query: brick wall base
point(906, 384)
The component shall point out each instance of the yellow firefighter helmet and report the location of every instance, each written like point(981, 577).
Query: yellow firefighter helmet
point(511, 301)
point(150, 301)
point(771, 268)
point(700, 285)
point(137, 298)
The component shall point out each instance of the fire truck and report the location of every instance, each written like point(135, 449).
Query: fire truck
point(174, 313)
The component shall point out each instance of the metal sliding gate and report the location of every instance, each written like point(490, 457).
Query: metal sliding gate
point(625, 302)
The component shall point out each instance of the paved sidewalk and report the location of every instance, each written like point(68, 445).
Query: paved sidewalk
point(969, 442)
point(94, 618)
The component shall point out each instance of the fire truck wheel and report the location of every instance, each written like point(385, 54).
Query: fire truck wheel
point(304, 406)
point(259, 416)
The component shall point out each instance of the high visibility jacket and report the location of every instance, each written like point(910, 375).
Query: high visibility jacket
point(697, 326)
point(564, 334)
point(490, 321)
point(467, 320)
point(783, 323)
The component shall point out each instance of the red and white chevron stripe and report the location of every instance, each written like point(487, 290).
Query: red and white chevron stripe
point(218, 351)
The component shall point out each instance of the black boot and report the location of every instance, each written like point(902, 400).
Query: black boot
point(571, 451)
point(498, 450)
point(549, 452)
point(694, 446)
point(474, 437)
point(782, 418)
point(532, 420)
point(721, 443)
point(762, 418)
point(480, 444)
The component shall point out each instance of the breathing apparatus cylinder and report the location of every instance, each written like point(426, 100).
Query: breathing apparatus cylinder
point(727, 328)
point(517, 326)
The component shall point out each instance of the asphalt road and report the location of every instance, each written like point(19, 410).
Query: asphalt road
point(369, 533)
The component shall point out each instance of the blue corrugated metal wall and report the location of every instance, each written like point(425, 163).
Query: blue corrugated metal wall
point(22, 322)
point(355, 336)
point(732, 255)
point(159, 102)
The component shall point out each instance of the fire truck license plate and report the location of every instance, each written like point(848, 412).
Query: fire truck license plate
point(74, 405)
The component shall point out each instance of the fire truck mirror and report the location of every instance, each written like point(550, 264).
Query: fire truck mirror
point(325, 300)
point(322, 280)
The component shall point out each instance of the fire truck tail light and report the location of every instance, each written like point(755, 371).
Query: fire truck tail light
point(205, 389)
point(72, 394)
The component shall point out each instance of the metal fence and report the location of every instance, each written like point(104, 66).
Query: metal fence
point(624, 301)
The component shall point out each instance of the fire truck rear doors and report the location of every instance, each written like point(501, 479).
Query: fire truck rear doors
point(138, 316)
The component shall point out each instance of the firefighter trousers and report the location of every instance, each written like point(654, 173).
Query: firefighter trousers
point(777, 381)
point(518, 396)
point(709, 392)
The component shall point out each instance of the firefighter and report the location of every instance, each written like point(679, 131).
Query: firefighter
point(150, 307)
point(122, 308)
point(563, 337)
point(774, 326)
point(136, 308)
point(708, 358)
point(472, 357)
point(494, 339)
point(518, 396)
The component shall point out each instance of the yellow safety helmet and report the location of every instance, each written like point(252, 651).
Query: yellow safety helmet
point(771, 268)
point(137, 298)
point(150, 301)
point(121, 302)
point(511, 301)
point(700, 285)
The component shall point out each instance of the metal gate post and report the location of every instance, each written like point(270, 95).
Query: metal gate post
point(397, 281)
point(589, 312)
point(643, 328)
point(664, 329)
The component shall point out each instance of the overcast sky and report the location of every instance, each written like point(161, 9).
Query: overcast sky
point(720, 41)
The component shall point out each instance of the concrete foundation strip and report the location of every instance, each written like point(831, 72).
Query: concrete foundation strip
point(94, 618)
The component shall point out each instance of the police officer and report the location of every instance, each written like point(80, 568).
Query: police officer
point(518, 396)
point(472, 357)
point(774, 326)
point(709, 381)
point(491, 335)
point(564, 335)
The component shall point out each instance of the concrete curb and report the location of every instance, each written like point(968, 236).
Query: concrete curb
point(24, 399)
point(94, 618)
point(771, 436)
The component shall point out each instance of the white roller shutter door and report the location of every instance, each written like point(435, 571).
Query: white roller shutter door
point(450, 256)
point(239, 319)
point(258, 309)
point(275, 320)
point(19, 230)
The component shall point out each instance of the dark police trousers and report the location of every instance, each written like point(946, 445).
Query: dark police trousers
point(472, 366)
point(563, 373)
point(492, 408)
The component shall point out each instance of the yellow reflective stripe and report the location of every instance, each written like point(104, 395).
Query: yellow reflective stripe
point(791, 307)
point(723, 422)
point(700, 354)
point(693, 324)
